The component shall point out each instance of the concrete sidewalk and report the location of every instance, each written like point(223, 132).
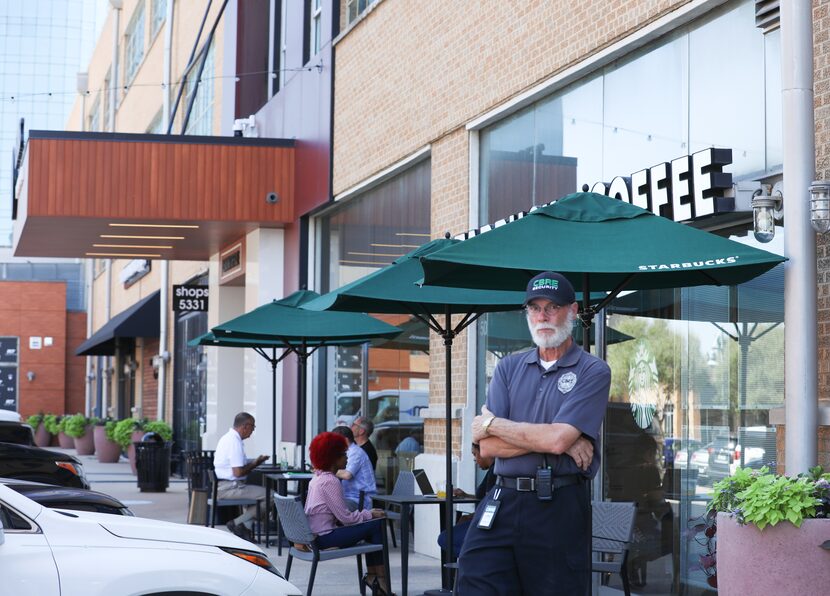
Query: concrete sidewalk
point(336, 578)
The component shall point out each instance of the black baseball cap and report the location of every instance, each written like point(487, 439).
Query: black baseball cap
point(551, 285)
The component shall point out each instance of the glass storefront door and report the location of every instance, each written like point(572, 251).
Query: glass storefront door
point(189, 383)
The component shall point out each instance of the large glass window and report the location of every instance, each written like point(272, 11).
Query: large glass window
point(201, 116)
point(134, 44)
point(365, 234)
point(695, 371)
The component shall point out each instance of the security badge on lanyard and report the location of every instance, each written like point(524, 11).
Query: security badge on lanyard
point(490, 510)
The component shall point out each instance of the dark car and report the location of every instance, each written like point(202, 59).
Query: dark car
point(20, 459)
point(63, 497)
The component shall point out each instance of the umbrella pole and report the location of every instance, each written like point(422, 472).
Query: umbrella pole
point(587, 321)
point(448, 514)
point(273, 405)
point(302, 356)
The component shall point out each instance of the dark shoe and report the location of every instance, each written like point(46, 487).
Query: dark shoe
point(240, 530)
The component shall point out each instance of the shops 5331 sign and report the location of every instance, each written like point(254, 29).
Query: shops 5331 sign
point(190, 298)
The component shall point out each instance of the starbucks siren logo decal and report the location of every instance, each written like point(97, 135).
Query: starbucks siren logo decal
point(642, 386)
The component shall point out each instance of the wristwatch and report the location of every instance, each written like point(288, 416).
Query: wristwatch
point(485, 426)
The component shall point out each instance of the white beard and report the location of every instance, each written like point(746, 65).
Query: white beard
point(560, 333)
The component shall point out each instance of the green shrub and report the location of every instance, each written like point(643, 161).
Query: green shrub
point(160, 427)
point(50, 423)
point(123, 433)
point(762, 498)
point(109, 429)
point(75, 426)
point(34, 420)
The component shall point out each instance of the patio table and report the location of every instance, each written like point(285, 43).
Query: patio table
point(406, 502)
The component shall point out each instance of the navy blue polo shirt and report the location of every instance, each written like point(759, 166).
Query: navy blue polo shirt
point(574, 391)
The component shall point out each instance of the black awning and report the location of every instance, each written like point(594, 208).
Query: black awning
point(139, 320)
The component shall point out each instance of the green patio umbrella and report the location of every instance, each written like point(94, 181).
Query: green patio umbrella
point(600, 244)
point(394, 289)
point(284, 323)
point(414, 337)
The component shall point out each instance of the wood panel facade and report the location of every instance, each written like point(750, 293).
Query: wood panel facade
point(74, 186)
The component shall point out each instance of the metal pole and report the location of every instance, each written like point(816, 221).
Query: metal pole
point(800, 333)
point(302, 355)
point(274, 405)
point(448, 513)
point(175, 109)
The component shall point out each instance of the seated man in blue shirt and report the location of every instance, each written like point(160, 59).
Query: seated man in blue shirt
point(358, 475)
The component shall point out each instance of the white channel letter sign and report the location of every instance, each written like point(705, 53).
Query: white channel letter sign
point(686, 188)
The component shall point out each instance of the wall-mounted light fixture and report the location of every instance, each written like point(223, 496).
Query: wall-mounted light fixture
point(820, 205)
point(766, 210)
point(31, 375)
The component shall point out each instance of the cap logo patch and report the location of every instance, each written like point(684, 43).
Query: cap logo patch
point(545, 284)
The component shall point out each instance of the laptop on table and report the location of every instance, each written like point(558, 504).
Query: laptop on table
point(424, 484)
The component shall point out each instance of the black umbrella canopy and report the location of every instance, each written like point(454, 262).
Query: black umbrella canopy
point(396, 289)
point(284, 323)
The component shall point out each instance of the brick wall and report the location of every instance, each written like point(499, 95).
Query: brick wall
point(37, 309)
point(471, 57)
point(75, 365)
point(149, 384)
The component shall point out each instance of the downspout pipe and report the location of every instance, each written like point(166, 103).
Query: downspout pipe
point(800, 305)
point(164, 295)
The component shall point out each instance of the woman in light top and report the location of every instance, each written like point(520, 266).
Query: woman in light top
point(328, 514)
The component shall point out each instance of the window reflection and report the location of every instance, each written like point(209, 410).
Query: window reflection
point(362, 236)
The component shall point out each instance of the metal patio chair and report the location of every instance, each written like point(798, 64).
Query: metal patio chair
point(295, 527)
point(613, 524)
point(214, 502)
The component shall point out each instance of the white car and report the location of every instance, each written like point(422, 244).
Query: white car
point(9, 416)
point(67, 553)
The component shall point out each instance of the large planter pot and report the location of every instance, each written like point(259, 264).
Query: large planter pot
point(781, 559)
point(42, 436)
point(108, 452)
point(65, 441)
point(85, 445)
point(137, 434)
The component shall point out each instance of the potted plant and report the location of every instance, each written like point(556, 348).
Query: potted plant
point(50, 423)
point(42, 436)
point(160, 427)
point(768, 534)
point(106, 448)
point(64, 440)
point(127, 432)
point(79, 427)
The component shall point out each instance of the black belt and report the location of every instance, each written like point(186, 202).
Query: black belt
point(528, 484)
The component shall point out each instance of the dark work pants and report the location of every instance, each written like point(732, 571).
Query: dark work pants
point(370, 531)
point(534, 547)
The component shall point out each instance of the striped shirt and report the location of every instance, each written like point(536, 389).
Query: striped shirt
point(325, 505)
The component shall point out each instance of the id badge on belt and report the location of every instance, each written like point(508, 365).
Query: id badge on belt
point(490, 510)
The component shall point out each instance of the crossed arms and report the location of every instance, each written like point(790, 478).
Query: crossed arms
point(505, 438)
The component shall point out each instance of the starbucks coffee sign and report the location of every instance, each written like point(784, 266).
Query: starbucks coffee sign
point(685, 188)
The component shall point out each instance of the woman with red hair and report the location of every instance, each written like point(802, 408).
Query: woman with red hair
point(328, 514)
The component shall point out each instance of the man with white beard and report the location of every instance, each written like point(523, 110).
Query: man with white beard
point(531, 533)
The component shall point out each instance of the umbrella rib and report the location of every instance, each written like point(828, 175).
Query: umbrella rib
point(425, 317)
point(469, 318)
point(725, 332)
point(612, 295)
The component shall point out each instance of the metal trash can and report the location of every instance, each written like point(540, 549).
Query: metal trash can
point(152, 461)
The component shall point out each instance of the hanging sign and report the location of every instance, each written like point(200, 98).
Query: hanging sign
point(190, 298)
